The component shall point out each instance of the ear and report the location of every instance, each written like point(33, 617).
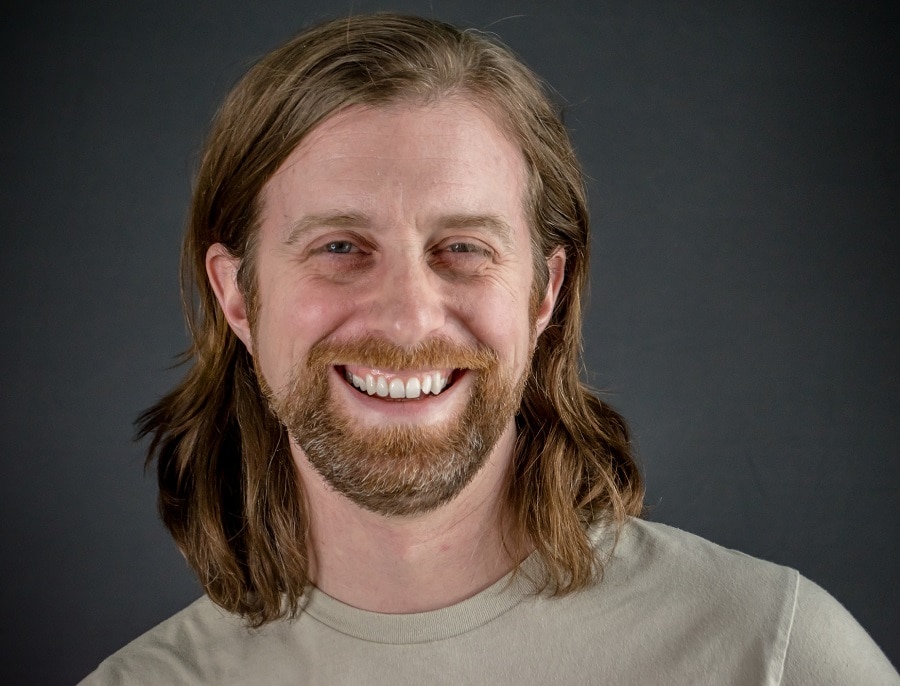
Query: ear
point(556, 268)
point(222, 270)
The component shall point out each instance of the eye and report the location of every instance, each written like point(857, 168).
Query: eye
point(462, 257)
point(340, 247)
point(463, 250)
point(466, 249)
point(463, 247)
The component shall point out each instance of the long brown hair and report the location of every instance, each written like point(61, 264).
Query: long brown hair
point(228, 489)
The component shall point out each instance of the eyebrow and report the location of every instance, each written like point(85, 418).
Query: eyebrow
point(337, 220)
point(346, 220)
point(496, 225)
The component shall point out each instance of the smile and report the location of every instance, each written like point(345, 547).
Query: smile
point(399, 386)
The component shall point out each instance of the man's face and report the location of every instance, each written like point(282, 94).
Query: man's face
point(395, 320)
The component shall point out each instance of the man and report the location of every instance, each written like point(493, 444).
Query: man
point(382, 464)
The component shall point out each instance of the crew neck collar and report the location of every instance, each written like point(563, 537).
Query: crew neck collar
point(434, 625)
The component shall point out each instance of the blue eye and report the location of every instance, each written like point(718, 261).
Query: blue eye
point(462, 247)
point(339, 247)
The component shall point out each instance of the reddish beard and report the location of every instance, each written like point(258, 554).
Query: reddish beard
point(401, 469)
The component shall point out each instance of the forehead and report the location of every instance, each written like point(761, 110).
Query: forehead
point(448, 121)
point(451, 155)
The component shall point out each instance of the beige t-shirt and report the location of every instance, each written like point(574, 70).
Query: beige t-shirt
point(671, 608)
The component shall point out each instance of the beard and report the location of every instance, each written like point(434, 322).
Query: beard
point(397, 470)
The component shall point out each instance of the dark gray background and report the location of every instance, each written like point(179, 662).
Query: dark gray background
point(744, 185)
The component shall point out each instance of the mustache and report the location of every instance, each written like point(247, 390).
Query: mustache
point(434, 353)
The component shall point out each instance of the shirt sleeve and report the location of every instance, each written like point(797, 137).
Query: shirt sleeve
point(828, 647)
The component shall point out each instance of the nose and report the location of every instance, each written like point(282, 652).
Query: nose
point(406, 306)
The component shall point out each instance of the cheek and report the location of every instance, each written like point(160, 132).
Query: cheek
point(502, 323)
point(291, 319)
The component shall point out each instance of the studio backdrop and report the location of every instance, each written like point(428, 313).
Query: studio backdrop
point(742, 163)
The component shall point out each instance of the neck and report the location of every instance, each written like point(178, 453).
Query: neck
point(411, 564)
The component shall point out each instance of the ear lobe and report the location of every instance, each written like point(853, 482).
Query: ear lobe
point(221, 270)
point(556, 268)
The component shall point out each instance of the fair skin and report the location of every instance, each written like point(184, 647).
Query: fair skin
point(405, 223)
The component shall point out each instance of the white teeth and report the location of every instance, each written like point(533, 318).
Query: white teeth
point(414, 387)
point(397, 389)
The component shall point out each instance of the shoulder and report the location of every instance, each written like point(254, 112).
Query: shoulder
point(792, 630)
point(675, 560)
point(714, 603)
point(828, 646)
point(164, 652)
point(200, 644)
